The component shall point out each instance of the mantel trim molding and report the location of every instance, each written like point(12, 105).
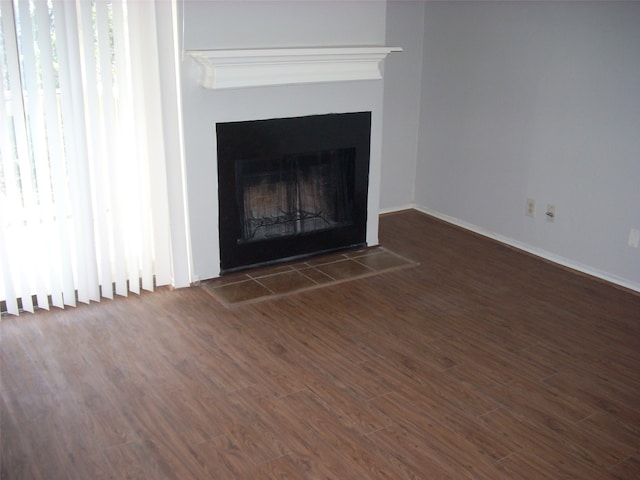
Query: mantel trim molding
point(239, 68)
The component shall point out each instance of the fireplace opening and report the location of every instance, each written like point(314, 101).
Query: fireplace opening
point(291, 187)
point(295, 194)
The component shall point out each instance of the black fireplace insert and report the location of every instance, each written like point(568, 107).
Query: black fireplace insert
point(292, 187)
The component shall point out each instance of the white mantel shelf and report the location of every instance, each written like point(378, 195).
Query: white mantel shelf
point(240, 68)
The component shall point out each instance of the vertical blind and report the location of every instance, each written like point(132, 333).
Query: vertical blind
point(81, 138)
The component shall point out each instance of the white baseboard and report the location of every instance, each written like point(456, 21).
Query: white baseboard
point(552, 257)
point(409, 206)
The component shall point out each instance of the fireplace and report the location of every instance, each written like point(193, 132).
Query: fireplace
point(291, 187)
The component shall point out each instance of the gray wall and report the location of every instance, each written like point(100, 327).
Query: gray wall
point(402, 89)
point(535, 100)
point(282, 23)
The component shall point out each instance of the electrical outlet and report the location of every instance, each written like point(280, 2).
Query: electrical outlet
point(551, 213)
point(531, 208)
point(634, 238)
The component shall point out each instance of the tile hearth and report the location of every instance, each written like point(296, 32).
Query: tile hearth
point(274, 281)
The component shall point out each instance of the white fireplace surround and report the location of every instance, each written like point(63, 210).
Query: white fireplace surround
point(238, 84)
point(238, 68)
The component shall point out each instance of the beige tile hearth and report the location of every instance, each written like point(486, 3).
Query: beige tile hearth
point(286, 282)
point(241, 291)
point(274, 281)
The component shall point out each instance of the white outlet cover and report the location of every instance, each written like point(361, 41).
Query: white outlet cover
point(530, 210)
point(634, 238)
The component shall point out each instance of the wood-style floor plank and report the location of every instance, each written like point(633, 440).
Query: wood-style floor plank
point(480, 362)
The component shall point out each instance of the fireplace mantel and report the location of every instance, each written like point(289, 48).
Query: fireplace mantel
point(238, 68)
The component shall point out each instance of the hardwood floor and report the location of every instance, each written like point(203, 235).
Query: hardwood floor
point(480, 363)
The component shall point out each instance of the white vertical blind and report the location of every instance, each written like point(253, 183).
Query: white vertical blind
point(80, 143)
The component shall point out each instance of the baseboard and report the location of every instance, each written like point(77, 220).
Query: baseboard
point(538, 252)
point(409, 206)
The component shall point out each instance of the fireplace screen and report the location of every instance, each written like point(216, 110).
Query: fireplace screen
point(291, 187)
point(296, 194)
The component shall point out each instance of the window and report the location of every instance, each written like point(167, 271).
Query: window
point(82, 213)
